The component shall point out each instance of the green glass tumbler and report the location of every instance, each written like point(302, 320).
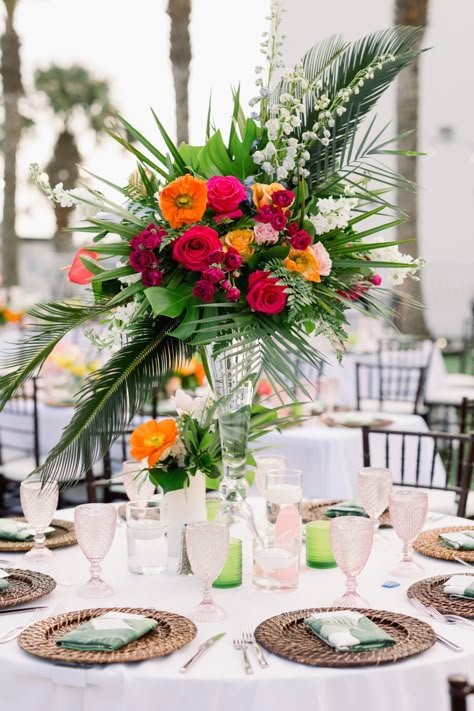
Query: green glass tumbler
point(231, 575)
point(318, 545)
point(211, 507)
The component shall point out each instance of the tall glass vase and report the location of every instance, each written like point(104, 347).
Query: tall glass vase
point(234, 373)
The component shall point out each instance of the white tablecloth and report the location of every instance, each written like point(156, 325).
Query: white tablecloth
point(330, 457)
point(217, 681)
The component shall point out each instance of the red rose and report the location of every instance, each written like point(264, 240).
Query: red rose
point(265, 294)
point(224, 194)
point(232, 259)
point(301, 240)
point(193, 248)
point(283, 198)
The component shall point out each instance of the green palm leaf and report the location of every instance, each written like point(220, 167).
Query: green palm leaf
point(112, 396)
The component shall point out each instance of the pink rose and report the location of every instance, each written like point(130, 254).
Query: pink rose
point(265, 233)
point(265, 294)
point(224, 194)
point(324, 260)
point(376, 279)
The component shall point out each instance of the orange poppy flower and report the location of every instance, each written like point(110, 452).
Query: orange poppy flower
point(13, 316)
point(184, 201)
point(304, 262)
point(241, 240)
point(262, 193)
point(152, 439)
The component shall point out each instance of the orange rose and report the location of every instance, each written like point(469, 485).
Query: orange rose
point(183, 201)
point(304, 262)
point(262, 193)
point(241, 240)
point(152, 439)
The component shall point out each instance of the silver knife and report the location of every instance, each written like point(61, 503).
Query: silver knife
point(201, 650)
point(447, 643)
point(8, 611)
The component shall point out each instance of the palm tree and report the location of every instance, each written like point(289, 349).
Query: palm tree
point(76, 98)
point(180, 55)
point(12, 92)
point(412, 13)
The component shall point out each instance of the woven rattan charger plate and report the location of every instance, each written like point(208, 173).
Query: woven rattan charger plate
point(25, 585)
point(63, 535)
point(430, 592)
point(171, 633)
point(429, 544)
point(315, 511)
point(330, 422)
point(287, 636)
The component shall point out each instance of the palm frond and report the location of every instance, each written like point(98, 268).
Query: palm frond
point(25, 358)
point(111, 397)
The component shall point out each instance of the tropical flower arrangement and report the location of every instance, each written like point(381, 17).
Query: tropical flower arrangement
point(176, 448)
point(189, 377)
point(263, 238)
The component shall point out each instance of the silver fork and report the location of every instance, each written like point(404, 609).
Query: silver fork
point(241, 645)
point(37, 615)
point(424, 610)
point(249, 637)
point(448, 619)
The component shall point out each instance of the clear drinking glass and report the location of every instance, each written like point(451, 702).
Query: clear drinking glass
point(138, 486)
point(351, 543)
point(374, 486)
point(207, 543)
point(95, 529)
point(266, 464)
point(408, 509)
point(276, 563)
point(146, 540)
point(39, 502)
point(283, 494)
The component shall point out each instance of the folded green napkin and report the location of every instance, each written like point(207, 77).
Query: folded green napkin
point(346, 508)
point(4, 584)
point(107, 633)
point(348, 631)
point(460, 540)
point(460, 586)
point(12, 530)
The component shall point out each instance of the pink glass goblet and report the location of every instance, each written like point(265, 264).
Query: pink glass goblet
point(207, 543)
point(374, 486)
point(39, 502)
point(95, 529)
point(351, 543)
point(408, 509)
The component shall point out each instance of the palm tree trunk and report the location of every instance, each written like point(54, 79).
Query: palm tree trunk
point(414, 13)
point(12, 91)
point(63, 169)
point(180, 55)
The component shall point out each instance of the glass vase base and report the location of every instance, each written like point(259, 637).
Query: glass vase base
point(351, 600)
point(95, 589)
point(237, 510)
point(408, 569)
point(207, 612)
point(39, 555)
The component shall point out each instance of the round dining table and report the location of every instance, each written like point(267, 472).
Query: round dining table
point(217, 680)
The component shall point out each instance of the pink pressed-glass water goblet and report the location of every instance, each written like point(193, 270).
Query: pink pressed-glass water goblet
point(207, 543)
point(374, 486)
point(408, 509)
point(39, 502)
point(95, 529)
point(351, 543)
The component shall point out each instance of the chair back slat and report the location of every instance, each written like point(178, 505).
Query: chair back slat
point(459, 689)
point(432, 464)
point(382, 382)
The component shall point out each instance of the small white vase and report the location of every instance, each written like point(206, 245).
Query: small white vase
point(184, 506)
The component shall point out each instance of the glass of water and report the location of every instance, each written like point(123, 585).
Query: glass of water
point(283, 494)
point(276, 562)
point(147, 544)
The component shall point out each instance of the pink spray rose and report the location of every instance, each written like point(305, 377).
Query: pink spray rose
point(224, 194)
point(324, 260)
point(265, 233)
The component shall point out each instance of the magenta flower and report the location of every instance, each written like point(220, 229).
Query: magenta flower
point(141, 259)
point(216, 257)
point(233, 294)
point(204, 290)
point(214, 275)
point(301, 240)
point(232, 259)
point(278, 221)
point(293, 228)
point(152, 277)
point(137, 242)
point(376, 279)
point(265, 214)
point(225, 285)
point(283, 198)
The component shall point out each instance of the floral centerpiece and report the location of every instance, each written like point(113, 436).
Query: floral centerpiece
point(189, 376)
point(239, 247)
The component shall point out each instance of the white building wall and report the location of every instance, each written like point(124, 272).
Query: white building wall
point(446, 174)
